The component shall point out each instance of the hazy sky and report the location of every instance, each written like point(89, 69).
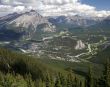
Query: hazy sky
point(98, 8)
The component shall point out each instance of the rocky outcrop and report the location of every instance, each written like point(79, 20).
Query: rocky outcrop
point(80, 45)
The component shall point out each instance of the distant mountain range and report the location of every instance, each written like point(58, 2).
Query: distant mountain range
point(59, 37)
point(34, 18)
point(31, 22)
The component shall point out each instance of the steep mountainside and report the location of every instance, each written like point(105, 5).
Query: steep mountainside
point(26, 24)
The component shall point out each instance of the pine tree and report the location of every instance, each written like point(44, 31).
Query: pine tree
point(71, 81)
point(85, 82)
point(107, 73)
point(62, 79)
point(29, 81)
point(52, 80)
point(48, 80)
point(58, 82)
point(80, 84)
point(90, 79)
point(41, 83)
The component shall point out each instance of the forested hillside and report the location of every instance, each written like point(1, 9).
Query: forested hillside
point(18, 70)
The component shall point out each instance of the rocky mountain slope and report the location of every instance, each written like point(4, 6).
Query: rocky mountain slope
point(26, 24)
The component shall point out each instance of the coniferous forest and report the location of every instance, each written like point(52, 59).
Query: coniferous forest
point(19, 70)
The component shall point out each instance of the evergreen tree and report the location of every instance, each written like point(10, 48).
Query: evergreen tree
point(107, 73)
point(71, 81)
point(48, 80)
point(58, 82)
point(80, 84)
point(90, 79)
point(40, 83)
point(29, 81)
point(62, 79)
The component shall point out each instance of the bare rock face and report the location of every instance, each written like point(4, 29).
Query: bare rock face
point(28, 24)
point(80, 45)
point(29, 18)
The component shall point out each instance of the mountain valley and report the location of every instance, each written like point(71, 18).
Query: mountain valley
point(60, 38)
